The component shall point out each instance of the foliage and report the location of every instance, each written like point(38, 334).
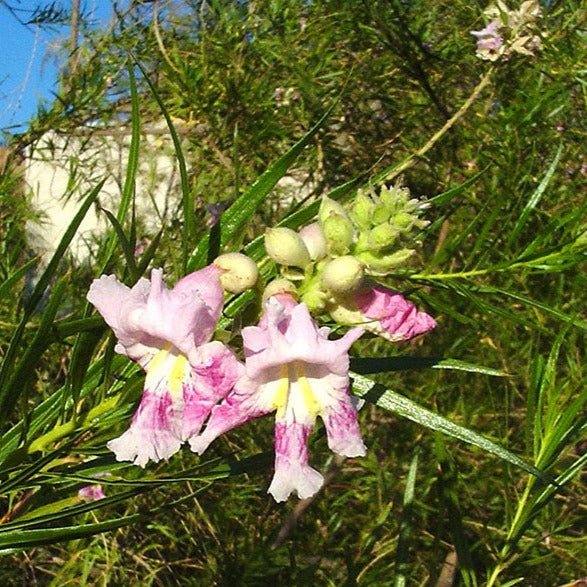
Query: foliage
point(361, 87)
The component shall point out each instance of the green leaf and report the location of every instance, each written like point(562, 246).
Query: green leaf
point(127, 249)
point(13, 279)
point(535, 197)
point(394, 402)
point(244, 207)
point(366, 365)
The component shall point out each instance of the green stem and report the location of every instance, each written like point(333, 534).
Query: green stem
point(411, 160)
point(68, 428)
point(475, 272)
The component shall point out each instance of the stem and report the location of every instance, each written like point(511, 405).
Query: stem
point(475, 272)
point(411, 160)
point(68, 427)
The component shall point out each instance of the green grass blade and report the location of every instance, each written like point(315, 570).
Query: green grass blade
point(366, 365)
point(394, 402)
point(535, 197)
point(405, 530)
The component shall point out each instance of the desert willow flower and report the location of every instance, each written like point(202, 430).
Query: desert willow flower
point(167, 332)
point(292, 368)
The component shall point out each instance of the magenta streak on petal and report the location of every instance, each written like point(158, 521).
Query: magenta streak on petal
point(236, 409)
point(292, 472)
point(398, 317)
point(342, 428)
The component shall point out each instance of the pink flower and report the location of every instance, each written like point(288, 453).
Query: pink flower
point(383, 312)
point(489, 42)
point(167, 333)
point(293, 368)
point(91, 493)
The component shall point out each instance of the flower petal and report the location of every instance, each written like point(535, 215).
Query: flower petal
point(292, 472)
point(342, 428)
point(240, 406)
point(215, 369)
point(390, 315)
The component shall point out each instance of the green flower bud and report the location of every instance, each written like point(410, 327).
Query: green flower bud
point(315, 300)
point(361, 210)
point(382, 236)
point(328, 206)
point(315, 241)
point(286, 247)
point(381, 214)
point(342, 275)
point(339, 233)
point(280, 286)
point(384, 264)
point(239, 273)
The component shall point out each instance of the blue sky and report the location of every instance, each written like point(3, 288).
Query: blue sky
point(28, 65)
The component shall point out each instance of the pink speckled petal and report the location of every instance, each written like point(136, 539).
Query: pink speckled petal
point(292, 472)
point(215, 369)
point(393, 316)
point(154, 433)
point(342, 428)
point(240, 406)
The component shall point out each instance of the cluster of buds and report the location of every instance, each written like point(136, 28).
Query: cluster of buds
point(509, 31)
point(328, 264)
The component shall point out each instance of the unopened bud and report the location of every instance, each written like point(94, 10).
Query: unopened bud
point(328, 206)
point(239, 273)
point(381, 213)
point(403, 220)
point(343, 274)
point(361, 210)
point(339, 233)
point(286, 247)
point(384, 264)
point(280, 287)
point(382, 236)
point(315, 241)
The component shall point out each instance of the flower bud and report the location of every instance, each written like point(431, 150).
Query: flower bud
point(315, 300)
point(239, 272)
point(328, 206)
point(342, 275)
point(315, 241)
point(382, 236)
point(381, 213)
point(361, 210)
point(403, 220)
point(384, 264)
point(339, 233)
point(280, 286)
point(286, 247)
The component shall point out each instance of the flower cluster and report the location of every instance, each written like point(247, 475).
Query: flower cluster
point(291, 364)
point(509, 31)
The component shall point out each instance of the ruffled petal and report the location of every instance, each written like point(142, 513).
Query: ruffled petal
point(215, 369)
point(240, 406)
point(154, 433)
point(390, 315)
point(292, 472)
point(342, 428)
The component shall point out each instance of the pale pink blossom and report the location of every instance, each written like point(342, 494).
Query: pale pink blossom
point(489, 42)
point(91, 493)
point(167, 332)
point(293, 368)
